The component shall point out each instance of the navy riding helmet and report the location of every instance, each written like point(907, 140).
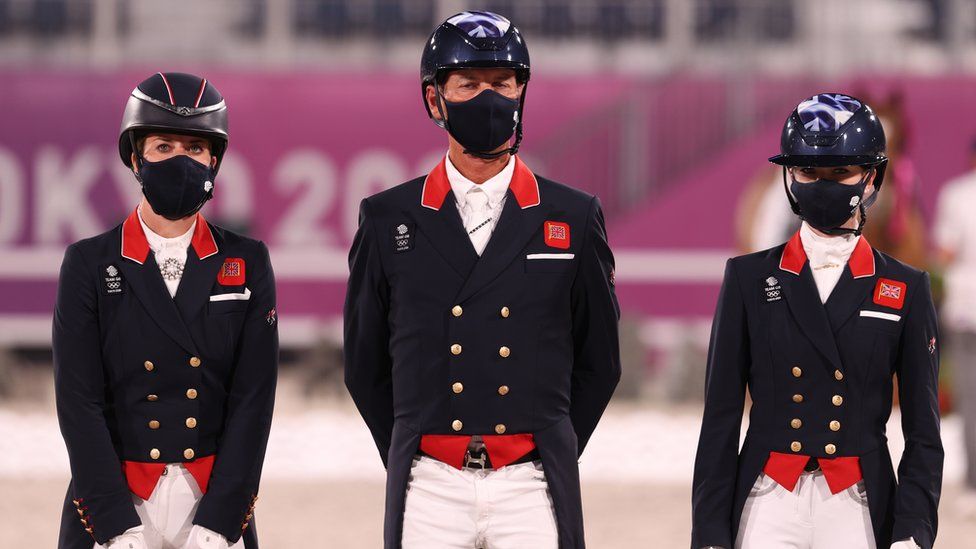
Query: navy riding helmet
point(174, 102)
point(833, 129)
point(474, 39)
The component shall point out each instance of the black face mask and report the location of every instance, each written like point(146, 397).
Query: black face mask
point(176, 187)
point(483, 123)
point(826, 204)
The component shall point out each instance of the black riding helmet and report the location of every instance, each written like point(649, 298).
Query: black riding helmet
point(174, 102)
point(474, 39)
point(833, 129)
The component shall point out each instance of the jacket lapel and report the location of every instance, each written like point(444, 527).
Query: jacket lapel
point(444, 230)
point(142, 274)
point(520, 217)
point(441, 223)
point(203, 261)
point(853, 287)
point(515, 227)
point(803, 300)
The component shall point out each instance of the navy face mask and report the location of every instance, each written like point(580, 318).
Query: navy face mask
point(826, 204)
point(483, 123)
point(176, 187)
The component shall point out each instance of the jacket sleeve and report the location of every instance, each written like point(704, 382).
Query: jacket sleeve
point(920, 470)
point(718, 444)
point(228, 505)
point(366, 335)
point(595, 312)
point(99, 488)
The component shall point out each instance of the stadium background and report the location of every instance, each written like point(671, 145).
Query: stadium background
point(667, 109)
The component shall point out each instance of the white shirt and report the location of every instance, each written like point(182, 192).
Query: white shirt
point(170, 254)
point(478, 216)
point(955, 231)
point(828, 256)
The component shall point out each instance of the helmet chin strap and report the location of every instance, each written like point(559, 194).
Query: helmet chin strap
point(840, 231)
point(836, 231)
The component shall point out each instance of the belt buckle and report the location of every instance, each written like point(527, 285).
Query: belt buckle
point(481, 460)
point(806, 468)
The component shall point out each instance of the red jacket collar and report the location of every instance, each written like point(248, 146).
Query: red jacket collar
point(524, 186)
point(861, 261)
point(135, 246)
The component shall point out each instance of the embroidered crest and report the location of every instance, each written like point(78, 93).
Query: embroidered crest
point(556, 234)
point(272, 316)
point(932, 346)
point(231, 272)
point(890, 293)
point(772, 290)
point(403, 237)
point(112, 281)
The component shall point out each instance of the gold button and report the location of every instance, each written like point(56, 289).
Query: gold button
point(152, 398)
point(504, 352)
point(191, 422)
point(456, 349)
point(189, 453)
point(191, 394)
point(830, 449)
point(503, 390)
point(500, 428)
point(796, 423)
point(838, 375)
point(154, 453)
point(837, 400)
point(81, 512)
point(797, 372)
point(797, 398)
point(457, 310)
point(505, 312)
point(195, 362)
point(796, 446)
point(457, 388)
point(835, 425)
point(457, 425)
point(149, 366)
point(154, 424)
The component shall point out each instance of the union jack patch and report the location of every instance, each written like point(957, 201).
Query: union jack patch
point(557, 234)
point(890, 293)
point(231, 272)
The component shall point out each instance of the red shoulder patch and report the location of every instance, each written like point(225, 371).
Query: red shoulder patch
point(557, 234)
point(890, 293)
point(231, 272)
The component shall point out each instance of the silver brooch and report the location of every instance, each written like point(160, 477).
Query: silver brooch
point(171, 269)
